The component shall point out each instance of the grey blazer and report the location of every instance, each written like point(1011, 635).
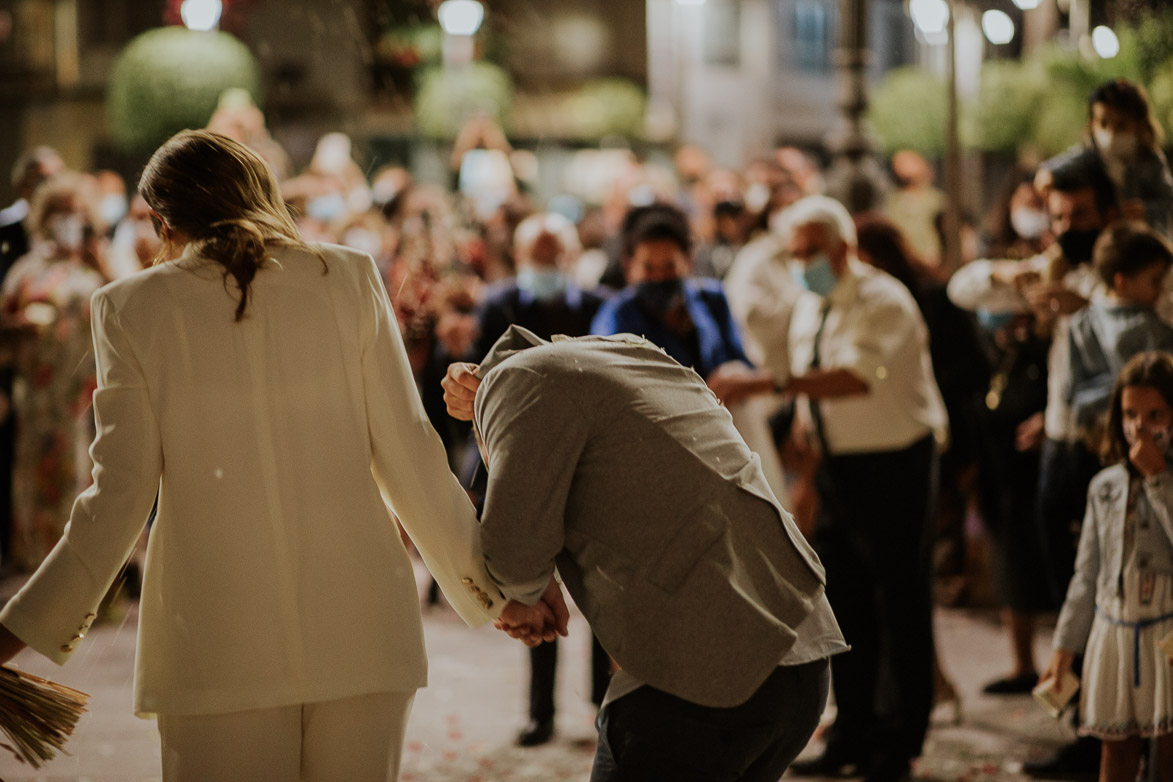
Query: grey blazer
point(1100, 560)
point(611, 460)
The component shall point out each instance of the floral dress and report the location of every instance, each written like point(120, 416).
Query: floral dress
point(55, 381)
point(1127, 681)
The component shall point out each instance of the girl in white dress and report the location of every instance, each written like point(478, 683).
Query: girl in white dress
point(1119, 604)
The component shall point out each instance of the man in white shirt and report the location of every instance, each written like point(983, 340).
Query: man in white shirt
point(859, 357)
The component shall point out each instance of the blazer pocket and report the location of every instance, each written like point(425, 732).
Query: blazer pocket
point(697, 534)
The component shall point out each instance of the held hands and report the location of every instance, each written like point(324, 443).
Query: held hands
point(460, 390)
point(544, 621)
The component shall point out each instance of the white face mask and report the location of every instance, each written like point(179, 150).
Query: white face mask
point(756, 197)
point(67, 231)
point(1116, 145)
point(1029, 223)
point(112, 208)
point(1132, 429)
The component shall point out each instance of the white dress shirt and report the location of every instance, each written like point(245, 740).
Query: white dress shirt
point(277, 445)
point(761, 294)
point(875, 330)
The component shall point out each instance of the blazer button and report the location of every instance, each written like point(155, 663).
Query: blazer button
point(91, 617)
point(77, 637)
point(67, 648)
point(466, 581)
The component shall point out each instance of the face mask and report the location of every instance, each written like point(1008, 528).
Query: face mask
point(1077, 245)
point(67, 231)
point(994, 321)
point(112, 208)
point(1117, 145)
point(326, 208)
point(1029, 223)
point(660, 297)
point(815, 276)
point(757, 196)
point(363, 240)
point(542, 284)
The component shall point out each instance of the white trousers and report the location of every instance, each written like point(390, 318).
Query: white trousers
point(357, 739)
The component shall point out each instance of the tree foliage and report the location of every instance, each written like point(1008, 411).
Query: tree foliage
point(446, 97)
point(1039, 102)
point(170, 79)
point(908, 110)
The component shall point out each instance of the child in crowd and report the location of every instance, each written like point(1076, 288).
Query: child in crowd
point(1120, 601)
point(1132, 260)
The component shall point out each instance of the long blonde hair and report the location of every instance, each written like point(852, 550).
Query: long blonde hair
point(221, 194)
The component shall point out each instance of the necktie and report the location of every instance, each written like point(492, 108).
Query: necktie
point(816, 360)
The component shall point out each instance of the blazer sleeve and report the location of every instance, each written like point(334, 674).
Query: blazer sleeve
point(607, 321)
point(1075, 619)
point(534, 436)
point(410, 465)
point(53, 611)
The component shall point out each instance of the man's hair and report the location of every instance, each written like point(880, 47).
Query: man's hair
point(1074, 172)
point(654, 223)
point(824, 211)
point(1128, 247)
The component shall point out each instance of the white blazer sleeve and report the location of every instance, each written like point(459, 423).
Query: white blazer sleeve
point(53, 611)
point(411, 467)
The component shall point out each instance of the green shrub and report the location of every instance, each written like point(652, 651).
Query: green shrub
point(169, 79)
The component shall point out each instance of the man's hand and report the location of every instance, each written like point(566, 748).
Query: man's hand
point(544, 621)
point(733, 381)
point(1146, 455)
point(460, 390)
point(1049, 299)
point(1030, 433)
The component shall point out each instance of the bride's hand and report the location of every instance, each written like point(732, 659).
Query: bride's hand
point(10, 645)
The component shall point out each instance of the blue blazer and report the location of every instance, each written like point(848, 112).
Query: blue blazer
point(717, 339)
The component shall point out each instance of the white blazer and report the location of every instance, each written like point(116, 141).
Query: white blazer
point(275, 574)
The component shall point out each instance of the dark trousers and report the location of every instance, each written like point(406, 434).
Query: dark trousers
point(543, 664)
point(1065, 472)
point(874, 534)
point(651, 735)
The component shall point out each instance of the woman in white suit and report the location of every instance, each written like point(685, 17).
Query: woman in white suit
point(259, 386)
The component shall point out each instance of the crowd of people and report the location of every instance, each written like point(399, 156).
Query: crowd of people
point(885, 393)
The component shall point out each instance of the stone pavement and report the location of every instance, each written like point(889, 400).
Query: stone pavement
point(463, 724)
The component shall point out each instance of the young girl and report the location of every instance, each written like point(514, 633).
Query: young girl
point(1122, 129)
point(1120, 601)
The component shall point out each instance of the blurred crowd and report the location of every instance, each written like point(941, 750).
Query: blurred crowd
point(1024, 339)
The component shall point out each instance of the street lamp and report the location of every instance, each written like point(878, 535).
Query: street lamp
point(1105, 42)
point(461, 17)
point(998, 27)
point(931, 18)
point(201, 15)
